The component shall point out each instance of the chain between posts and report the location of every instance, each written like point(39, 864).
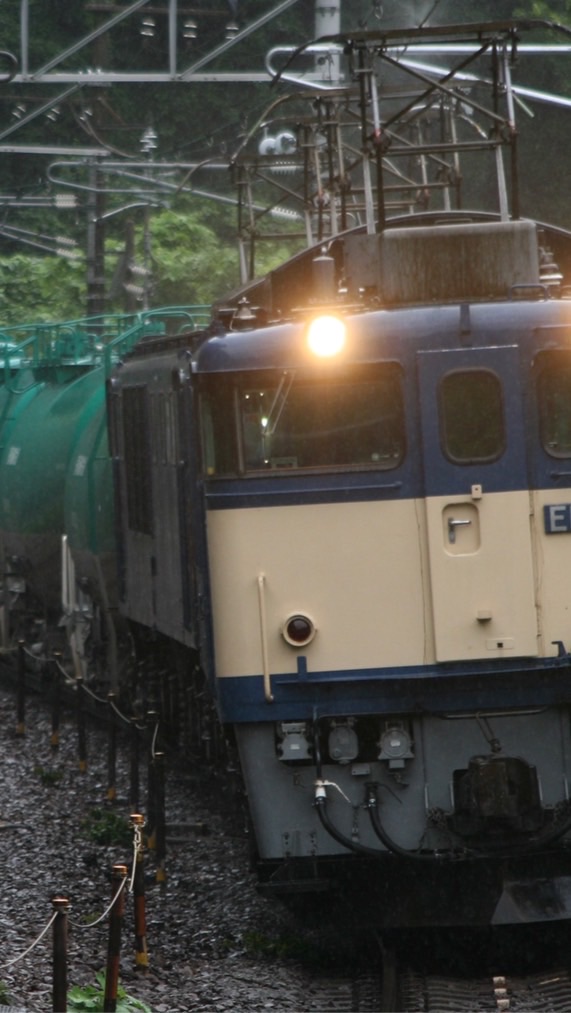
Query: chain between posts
point(135, 882)
point(102, 917)
point(114, 941)
point(77, 682)
point(32, 946)
point(137, 822)
point(138, 889)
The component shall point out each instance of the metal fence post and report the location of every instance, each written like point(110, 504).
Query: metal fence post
point(112, 753)
point(21, 696)
point(81, 726)
point(114, 945)
point(160, 818)
point(60, 955)
point(141, 954)
point(134, 764)
point(56, 700)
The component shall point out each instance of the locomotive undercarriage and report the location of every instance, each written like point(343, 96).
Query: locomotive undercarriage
point(394, 893)
point(25, 615)
point(151, 679)
point(495, 854)
point(398, 795)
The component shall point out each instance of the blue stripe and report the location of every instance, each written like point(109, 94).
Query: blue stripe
point(239, 494)
point(465, 686)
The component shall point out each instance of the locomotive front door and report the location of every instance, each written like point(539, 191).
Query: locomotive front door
point(477, 504)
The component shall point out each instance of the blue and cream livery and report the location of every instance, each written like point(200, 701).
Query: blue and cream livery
point(370, 565)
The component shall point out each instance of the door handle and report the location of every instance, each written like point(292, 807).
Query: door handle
point(452, 525)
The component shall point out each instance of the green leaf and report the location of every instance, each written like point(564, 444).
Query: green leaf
point(90, 998)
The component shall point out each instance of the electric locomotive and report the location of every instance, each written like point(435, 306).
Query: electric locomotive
point(343, 509)
point(350, 501)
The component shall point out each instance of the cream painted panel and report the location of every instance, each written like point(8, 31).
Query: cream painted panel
point(553, 554)
point(482, 576)
point(356, 569)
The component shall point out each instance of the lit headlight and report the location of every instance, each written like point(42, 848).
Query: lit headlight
point(298, 630)
point(326, 336)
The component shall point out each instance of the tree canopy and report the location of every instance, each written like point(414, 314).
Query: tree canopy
point(190, 237)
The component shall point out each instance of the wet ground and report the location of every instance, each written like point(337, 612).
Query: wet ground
point(213, 942)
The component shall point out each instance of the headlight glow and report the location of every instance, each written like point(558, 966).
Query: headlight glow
point(326, 336)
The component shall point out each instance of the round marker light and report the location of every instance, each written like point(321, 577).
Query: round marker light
point(326, 336)
point(298, 630)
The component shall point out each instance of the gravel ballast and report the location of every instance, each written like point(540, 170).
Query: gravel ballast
point(213, 942)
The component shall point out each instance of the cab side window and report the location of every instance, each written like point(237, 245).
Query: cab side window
point(472, 425)
point(554, 402)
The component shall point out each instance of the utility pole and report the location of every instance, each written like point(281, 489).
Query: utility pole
point(95, 209)
point(95, 244)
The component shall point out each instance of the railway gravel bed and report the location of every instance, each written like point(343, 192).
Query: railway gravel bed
point(214, 943)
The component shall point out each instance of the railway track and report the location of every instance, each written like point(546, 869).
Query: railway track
point(549, 992)
point(402, 990)
point(388, 984)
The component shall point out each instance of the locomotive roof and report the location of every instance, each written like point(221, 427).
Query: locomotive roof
point(382, 334)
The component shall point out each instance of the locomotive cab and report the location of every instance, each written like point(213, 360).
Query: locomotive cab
point(398, 500)
point(373, 529)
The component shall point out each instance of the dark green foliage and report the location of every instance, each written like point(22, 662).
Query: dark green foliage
point(51, 778)
point(90, 999)
point(106, 827)
point(40, 288)
point(193, 248)
point(5, 999)
point(284, 947)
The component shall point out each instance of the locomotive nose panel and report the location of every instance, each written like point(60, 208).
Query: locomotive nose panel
point(477, 504)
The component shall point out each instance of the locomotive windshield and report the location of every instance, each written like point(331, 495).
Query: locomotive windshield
point(291, 420)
